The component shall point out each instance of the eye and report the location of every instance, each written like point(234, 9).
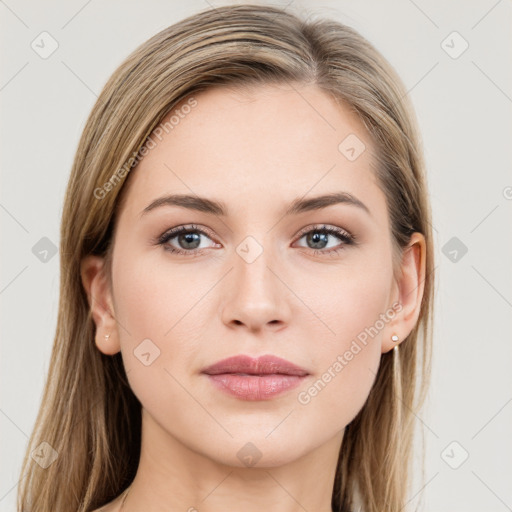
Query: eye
point(189, 237)
point(318, 236)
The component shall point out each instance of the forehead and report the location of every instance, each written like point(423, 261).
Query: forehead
point(266, 144)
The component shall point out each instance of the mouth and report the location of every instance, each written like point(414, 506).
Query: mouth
point(261, 378)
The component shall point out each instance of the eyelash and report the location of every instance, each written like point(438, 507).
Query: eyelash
point(344, 236)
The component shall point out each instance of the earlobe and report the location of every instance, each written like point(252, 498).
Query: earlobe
point(410, 286)
point(99, 294)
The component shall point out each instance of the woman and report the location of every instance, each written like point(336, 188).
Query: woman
point(246, 279)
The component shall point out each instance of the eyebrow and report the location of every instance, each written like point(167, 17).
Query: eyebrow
point(300, 205)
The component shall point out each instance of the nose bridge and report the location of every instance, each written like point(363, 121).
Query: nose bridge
point(254, 255)
point(256, 295)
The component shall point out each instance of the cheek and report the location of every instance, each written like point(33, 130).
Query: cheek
point(349, 300)
point(140, 304)
point(352, 306)
point(160, 320)
point(153, 300)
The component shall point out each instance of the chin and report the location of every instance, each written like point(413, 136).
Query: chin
point(254, 451)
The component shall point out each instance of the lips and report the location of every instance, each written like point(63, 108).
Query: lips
point(263, 365)
point(261, 378)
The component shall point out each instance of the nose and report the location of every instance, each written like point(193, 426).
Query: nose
point(255, 296)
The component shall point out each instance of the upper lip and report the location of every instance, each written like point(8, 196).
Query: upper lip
point(262, 365)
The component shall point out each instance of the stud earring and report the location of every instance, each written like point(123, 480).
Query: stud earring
point(107, 336)
point(394, 338)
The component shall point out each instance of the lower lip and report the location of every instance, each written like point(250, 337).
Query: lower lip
point(255, 387)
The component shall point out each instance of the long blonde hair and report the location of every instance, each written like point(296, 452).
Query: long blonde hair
point(89, 416)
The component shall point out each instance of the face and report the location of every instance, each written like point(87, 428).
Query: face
point(312, 285)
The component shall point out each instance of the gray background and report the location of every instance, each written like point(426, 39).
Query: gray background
point(463, 103)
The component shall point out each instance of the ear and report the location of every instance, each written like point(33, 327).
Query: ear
point(99, 295)
point(408, 292)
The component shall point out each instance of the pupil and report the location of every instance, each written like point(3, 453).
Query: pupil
point(189, 238)
point(316, 238)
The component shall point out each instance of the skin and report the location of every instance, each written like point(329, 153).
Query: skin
point(256, 151)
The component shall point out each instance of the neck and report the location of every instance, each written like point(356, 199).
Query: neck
point(171, 476)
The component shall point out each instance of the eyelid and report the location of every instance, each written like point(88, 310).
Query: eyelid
point(209, 233)
point(344, 236)
point(327, 227)
point(185, 227)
